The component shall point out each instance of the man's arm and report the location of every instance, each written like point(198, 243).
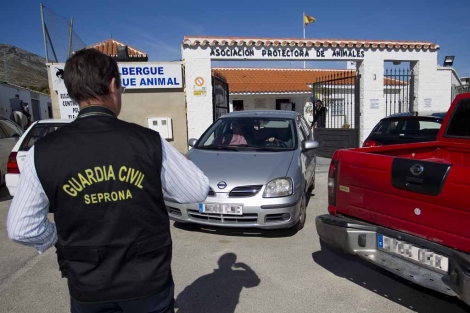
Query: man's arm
point(182, 180)
point(27, 221)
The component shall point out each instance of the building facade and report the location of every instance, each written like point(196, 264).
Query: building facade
point(429, 86)
point(39, 104)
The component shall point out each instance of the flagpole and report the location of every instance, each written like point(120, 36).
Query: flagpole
point(303, 24)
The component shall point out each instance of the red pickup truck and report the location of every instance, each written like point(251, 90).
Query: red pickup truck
point(406, 207)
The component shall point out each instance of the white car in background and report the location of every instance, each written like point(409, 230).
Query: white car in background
point(9, 134)
point(17, 155)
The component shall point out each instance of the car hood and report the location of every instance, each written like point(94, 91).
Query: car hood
point(241, 168)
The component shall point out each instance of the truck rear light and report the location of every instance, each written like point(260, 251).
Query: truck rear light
point(12, 165)
point(332, 174)
point(371, 143)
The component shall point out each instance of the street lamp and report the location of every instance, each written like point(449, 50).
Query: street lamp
point(449, 60)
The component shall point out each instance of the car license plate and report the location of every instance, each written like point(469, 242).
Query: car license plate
point(411, 252)
point(221, 208)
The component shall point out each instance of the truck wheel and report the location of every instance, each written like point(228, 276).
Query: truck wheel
point(302, 214)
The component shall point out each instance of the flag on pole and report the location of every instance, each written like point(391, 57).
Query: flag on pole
point(308, 19)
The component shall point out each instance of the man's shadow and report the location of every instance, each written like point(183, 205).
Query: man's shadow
point(218, 291)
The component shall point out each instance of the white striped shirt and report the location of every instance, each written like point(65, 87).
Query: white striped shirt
point(27, 221)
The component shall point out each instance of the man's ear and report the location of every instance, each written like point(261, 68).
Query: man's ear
point(112, 85)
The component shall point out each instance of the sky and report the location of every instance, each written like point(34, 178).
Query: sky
point(158, 27)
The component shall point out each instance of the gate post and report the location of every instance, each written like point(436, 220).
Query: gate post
point(371, 95)
point(199, 111)
point(357, 108)
point(424, 83)
point(411, 94)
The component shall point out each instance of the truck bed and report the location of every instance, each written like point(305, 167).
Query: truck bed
point(377, 185)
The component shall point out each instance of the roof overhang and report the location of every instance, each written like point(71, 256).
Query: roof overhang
point(202, 41)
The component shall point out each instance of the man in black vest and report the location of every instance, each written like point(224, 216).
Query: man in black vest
point(103, 180)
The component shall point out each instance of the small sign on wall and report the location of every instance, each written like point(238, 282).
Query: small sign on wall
point(199, 87)
point(69, 109)
point(374, 104)
point(260, 103)
point(428, 103)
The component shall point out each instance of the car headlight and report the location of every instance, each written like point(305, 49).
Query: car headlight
point(279, 187)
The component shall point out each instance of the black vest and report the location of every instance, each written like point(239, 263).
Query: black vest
point(102, 178)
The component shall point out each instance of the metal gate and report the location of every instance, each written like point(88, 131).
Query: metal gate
point(338, 127)
point(220, 97)
point(398, 91)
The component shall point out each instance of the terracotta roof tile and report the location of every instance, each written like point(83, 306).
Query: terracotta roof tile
point(110, 47)
point(390, 44)
point(259, 80)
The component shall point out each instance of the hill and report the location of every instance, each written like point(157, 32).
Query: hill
point(22, 68)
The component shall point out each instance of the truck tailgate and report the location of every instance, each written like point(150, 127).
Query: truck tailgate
point(427, 199)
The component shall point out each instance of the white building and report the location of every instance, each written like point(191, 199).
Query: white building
point(426, 87)
point(295, 89)
point(39, 104)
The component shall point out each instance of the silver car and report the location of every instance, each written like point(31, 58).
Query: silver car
point(261, 167)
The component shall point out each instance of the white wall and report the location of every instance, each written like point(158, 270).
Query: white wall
point(43, 104)
point(8, 92)
point(199, 107)
point(270, 100)
point(443, 90)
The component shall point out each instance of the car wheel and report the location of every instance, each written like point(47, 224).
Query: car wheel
point(302, 214)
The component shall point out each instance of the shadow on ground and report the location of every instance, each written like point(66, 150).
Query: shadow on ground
point(385, 284)
point(4, 194)
point(218, 291)
point(245, 232)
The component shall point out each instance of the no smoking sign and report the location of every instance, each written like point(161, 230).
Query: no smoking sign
point(199, 81)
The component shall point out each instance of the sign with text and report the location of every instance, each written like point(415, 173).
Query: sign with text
point(428, 103)
point(69, 109)
point(134, 75)
point(199, 87)
point(374, 104)
point(279, 53)
point(151, 75)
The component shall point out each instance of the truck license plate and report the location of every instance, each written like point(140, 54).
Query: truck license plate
point(411, 252)
point(221, 208)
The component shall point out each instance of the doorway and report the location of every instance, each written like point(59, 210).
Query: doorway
point(36, 112)
point(285, 104)
point(238, 105)
point(49, 109)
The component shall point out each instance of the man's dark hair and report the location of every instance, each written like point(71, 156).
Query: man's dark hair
point(17, 96)
point(87, 75)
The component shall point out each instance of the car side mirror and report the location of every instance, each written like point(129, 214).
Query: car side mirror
point(192, 142)
point(309, 145)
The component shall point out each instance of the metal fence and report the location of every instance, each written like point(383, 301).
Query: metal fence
point(457, 90)
point(60, 40)
point(398, 91)
point(338, 94)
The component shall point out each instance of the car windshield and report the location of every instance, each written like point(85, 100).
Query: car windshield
point(411, 127)
point(37, 132)
point(249, 133)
